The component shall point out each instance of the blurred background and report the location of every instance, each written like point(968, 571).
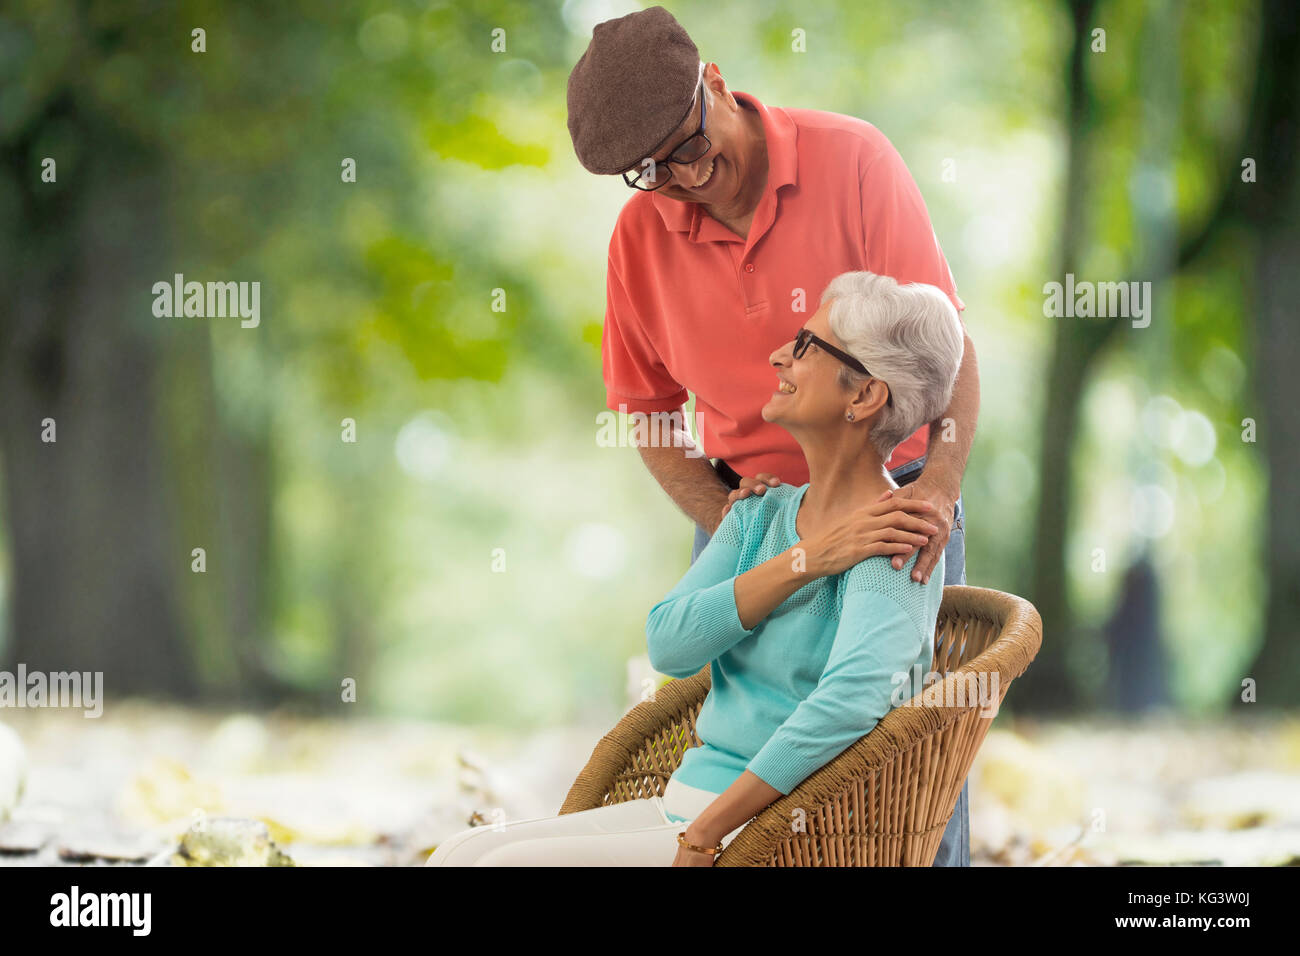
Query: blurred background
point(476, 558)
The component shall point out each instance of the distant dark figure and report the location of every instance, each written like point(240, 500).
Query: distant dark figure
point(1138, 666)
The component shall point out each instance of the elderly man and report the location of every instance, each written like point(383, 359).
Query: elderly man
point(740, 216)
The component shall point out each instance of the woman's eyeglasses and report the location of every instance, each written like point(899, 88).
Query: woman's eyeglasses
point(654, 175)
point(803, 338)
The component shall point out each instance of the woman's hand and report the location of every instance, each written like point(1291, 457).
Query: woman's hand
point(747, 796)
point(687, 857)
point(749, 486)
point(889, 525)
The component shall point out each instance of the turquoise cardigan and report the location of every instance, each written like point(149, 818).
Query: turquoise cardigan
point(794, 691)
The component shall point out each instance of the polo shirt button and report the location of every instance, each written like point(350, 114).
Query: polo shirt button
point(749, 267)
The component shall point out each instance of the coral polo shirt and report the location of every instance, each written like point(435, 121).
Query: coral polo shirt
point(693, 306)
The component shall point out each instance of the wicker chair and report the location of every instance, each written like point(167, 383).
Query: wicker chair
point(884, 801)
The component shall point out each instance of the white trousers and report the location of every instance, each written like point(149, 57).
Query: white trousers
point(633, 833)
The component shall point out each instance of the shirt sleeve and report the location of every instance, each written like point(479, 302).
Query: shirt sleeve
point(698, 621)
point(636, 379)
point(901, 242)
point(876, 642)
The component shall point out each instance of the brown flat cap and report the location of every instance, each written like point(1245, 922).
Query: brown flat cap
point(631, 89)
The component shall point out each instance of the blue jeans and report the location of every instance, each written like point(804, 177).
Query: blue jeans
point(954, 848)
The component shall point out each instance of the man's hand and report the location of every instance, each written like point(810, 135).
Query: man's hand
point(943, 502)
point(749, 486)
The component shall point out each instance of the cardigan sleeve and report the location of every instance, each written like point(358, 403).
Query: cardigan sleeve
point(698, 621)
point(876, 645)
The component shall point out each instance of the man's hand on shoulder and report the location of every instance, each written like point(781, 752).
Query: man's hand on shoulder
point(748, 486)
point(943, 502)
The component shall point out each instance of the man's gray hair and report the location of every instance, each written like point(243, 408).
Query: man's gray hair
point(909, 337)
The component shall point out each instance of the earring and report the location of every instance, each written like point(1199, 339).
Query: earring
point(849, 416)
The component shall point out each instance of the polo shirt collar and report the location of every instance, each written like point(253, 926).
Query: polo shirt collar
point(782, 166)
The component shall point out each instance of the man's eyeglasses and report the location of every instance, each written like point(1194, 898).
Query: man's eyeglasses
point(803, 338)
point(654, 175)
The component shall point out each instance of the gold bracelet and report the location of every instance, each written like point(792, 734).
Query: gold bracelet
point(681, 841)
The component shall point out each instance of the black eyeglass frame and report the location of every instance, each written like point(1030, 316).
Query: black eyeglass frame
point(698, 134)
point(803, 338)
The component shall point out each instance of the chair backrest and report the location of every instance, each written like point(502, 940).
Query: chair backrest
point(905, 775)
point(982, 633)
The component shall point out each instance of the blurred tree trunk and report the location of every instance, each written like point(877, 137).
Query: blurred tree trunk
point(1271, 210)
point(90, 545)
point(1075, 345)
point(1264, 214)
point(221, 481)
point(1268, 212)
point(145, 468)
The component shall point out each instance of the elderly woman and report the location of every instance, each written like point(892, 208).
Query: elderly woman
point(809, 633)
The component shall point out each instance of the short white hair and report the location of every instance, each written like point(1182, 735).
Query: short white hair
point(909, 337)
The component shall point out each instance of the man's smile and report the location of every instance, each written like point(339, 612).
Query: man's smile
point(707, 175)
